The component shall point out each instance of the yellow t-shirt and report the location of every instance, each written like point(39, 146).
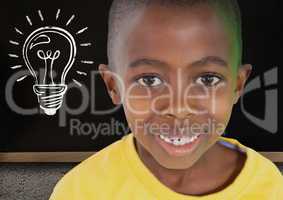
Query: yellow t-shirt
point(117, 172)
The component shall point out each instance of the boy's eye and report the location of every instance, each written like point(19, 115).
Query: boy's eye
point(209, 80)
point(149, 81)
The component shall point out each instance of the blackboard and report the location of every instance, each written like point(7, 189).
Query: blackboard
point(256, 121)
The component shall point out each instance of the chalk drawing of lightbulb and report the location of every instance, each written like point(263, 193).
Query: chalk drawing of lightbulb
point(50, 95)
point(53, 50)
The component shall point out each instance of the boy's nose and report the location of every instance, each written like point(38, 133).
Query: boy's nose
point(178, 113)
point(179, 106)
point(183, 101)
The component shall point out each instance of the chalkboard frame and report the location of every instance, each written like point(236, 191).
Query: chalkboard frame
point(75, 157)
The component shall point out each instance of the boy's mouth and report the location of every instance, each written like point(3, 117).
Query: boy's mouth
point(178, 145)
point(179, 141)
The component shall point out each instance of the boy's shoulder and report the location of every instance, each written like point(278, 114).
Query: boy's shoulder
point(101, 168)
point(256, 162)
point(103, 159)
point(260, 175)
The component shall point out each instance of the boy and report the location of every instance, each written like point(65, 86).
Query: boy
point(179, 62)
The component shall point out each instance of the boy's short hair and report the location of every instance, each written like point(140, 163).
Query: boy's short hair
point(228, 10)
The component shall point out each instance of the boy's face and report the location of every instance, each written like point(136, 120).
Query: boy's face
point(180, 87)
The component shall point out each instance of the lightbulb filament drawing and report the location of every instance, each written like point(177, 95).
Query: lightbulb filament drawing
point(48, 56)
point(42, 49)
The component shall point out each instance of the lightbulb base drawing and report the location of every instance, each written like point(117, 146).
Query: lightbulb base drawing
point(50, 97)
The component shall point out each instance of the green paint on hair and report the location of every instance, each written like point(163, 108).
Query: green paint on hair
point(231, 19)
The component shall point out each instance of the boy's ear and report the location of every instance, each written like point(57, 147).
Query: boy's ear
point(242, 76)
point(110, 82)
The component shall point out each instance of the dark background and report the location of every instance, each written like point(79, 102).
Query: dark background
point(262, 32)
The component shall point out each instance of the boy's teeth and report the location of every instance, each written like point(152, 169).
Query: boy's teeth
point(178, 141)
